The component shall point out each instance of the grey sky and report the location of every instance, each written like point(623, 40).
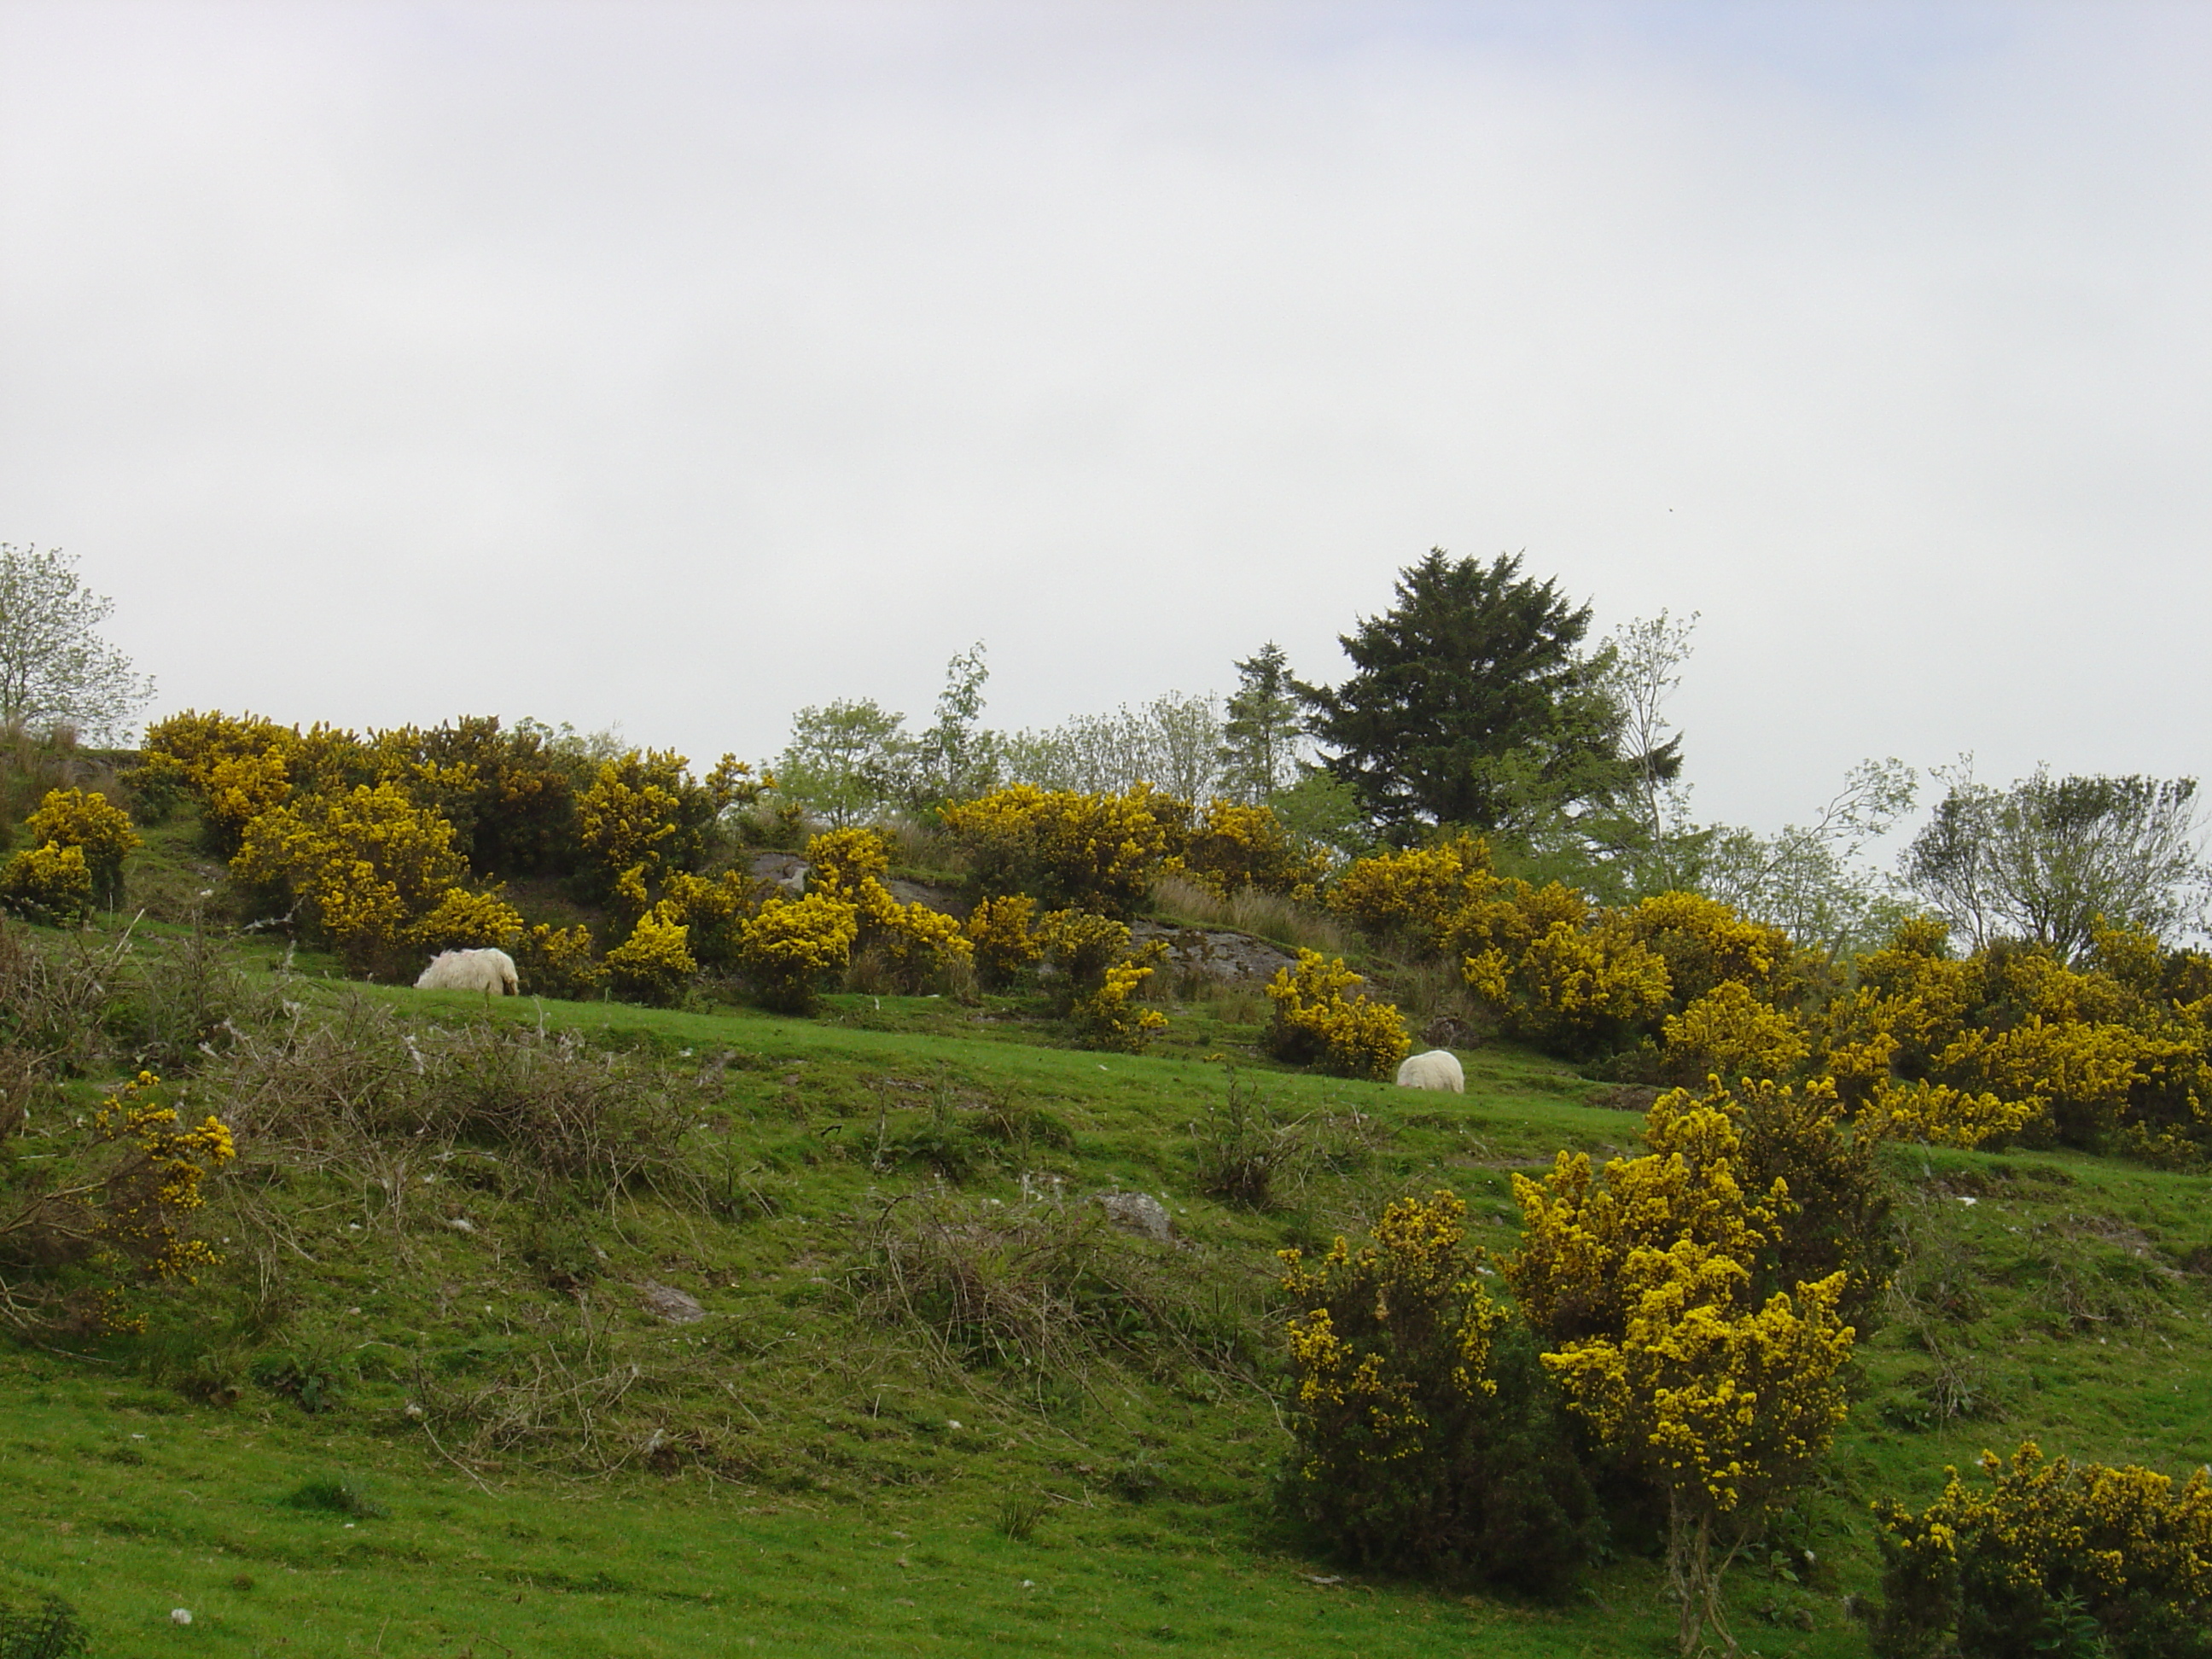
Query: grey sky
point(677, 365)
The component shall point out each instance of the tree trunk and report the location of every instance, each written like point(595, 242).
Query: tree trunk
point(1692, 1578)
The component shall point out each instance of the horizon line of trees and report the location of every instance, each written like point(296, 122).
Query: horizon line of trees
point(1478, 703)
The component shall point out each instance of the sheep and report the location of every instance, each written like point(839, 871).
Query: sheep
point(491, 972)
point(1436, 1069)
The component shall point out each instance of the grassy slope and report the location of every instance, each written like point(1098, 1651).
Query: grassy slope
point(838, 1510)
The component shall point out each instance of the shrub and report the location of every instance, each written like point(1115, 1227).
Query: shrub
point(1705, 944)
point(74, 817)
point(1315, 1024)
point(1837, 1212)
point(1097, 976)
point(790, 945)
point(2012, 1040)
point(652, 965)
point(463, 921)
point(911, 943)
point(644, 817)
point(1729, 1033)
point(1042, 1289)
point(125, 1214)
point(842, 859)
point(1644, 1287)
point(998, 930)
point(2117, 1560)
point(915, 943)
point(713, 909)
point(47, 884)
point(558, 961)
point(364, 868)
point(1068, 850)
point(1426, 1431)
point(1231, 847)
point(1576, 991)
point(36, 1624)
point(1408, 894)
point(232, 766)
point(341, 1495)
point(1252, 1155)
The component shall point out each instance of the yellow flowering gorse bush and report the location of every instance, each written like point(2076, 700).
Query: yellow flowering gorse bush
point(1005, 946)
point(89, 821)
point(125, 1217)
point(789, 946)
point(1645, 1285)
point(652, 965)
point(1230, 846)
point(1989, 1565)
point(1415, 1444)
point(1099, 977)
point(1064, 848)
point(47, 884)
point(1318, 1022)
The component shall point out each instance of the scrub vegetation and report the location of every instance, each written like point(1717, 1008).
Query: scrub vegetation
point(926, 1208)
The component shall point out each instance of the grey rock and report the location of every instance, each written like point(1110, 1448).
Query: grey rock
point(1140, 1213)
point(1217, 952)
point(785, 870)
point(672, 1306)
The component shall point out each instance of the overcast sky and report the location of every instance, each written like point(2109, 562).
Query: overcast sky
point(678, 365)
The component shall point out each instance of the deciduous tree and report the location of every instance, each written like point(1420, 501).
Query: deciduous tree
point(2046, 858)
point(55, 670)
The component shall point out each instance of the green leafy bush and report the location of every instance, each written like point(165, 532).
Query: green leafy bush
point(1427, 1435)
point(2112, 1560)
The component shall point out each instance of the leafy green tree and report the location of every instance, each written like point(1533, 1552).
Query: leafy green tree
point(1472, 704)
point(56, 673)
point(1809, 880)
point(1172, 743)
point(847, 761)
point(2044, 860)
point(1259, 738)
point(957, 758)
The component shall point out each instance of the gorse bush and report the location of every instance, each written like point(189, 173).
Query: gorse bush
point(1231, 846)
point(1317, 1022)
point(2116, 1560)
point(363, 870)
point(1065, 849)
point(1647, 1289)
point(1729, 1033)
point(1098, 975)
point(654, 963)
point(90, 822)
point(75, 1239)
point(999, 932)
point(47, 884)
point(911, 943)
point(789, 946)
point(558, 961)
point(1427, 1435)
point(2013, 1040)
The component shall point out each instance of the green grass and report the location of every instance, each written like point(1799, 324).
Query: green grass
point(786, 1474)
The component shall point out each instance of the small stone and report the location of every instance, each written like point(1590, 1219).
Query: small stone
point(1138, 1212)
point(672, 1306)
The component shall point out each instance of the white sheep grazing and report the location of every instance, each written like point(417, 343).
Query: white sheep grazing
point(489, 971)
point(1436, 1069)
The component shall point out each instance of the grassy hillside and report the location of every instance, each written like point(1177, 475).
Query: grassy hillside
point(933, 1401)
